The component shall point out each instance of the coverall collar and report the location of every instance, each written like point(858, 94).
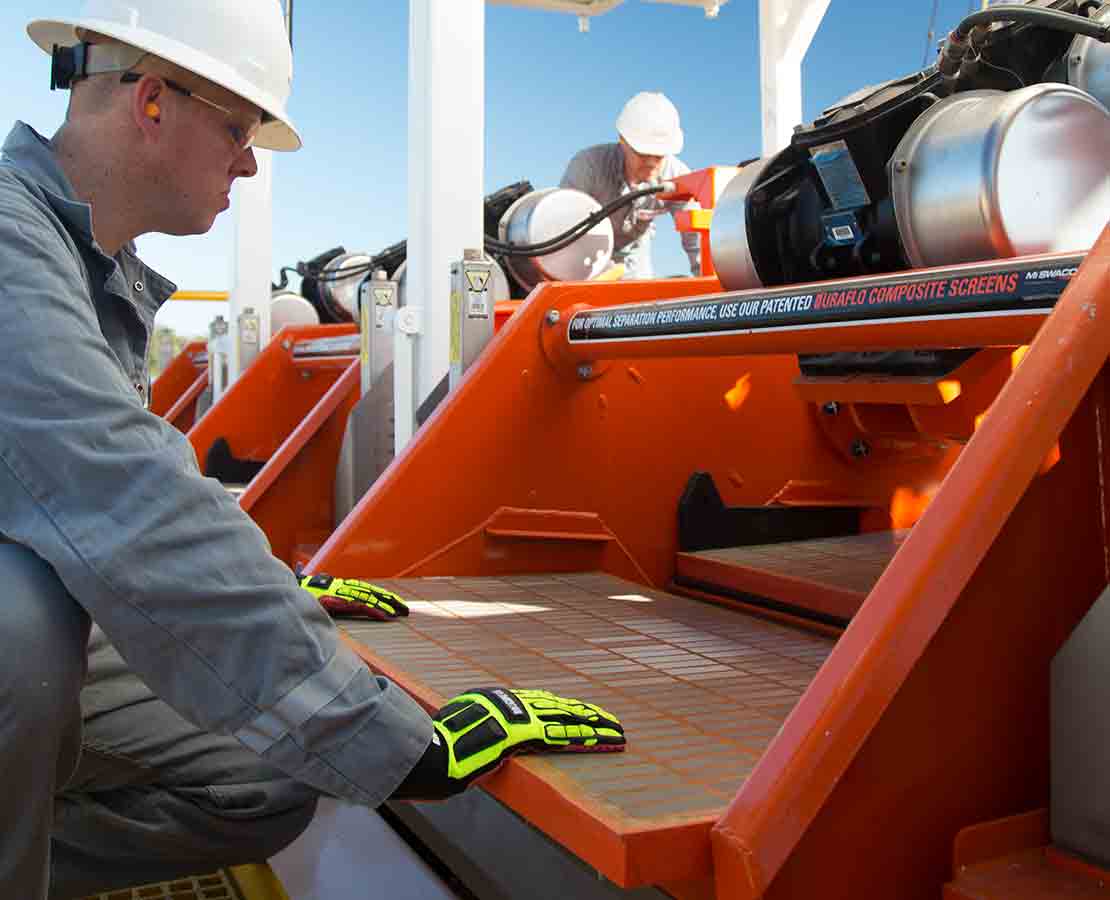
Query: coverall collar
point(33, 154)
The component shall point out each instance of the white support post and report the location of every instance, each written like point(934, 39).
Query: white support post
point(786, 29)
point(252, 263)
point(445, 140)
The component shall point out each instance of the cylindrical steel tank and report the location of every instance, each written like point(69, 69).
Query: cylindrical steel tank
point(729, 242)
point(1088, 62)
point(542, 215)
point(989, 174)
point(287, 308)
point(338, 291)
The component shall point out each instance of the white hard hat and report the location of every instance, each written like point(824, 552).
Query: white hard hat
point(649, 124)
point(241, 45)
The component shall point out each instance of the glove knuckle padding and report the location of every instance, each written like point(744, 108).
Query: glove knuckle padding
point(482, 725)
point(374, 602)
point(475, 738)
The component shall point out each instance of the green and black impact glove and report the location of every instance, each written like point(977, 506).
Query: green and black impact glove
point(350, 597)
point(477, 731)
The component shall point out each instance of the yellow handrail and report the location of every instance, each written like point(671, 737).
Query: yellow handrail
point(199, 295)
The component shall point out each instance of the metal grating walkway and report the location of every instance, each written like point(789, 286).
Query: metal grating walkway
point(701, 691)
point(254, 881)
point(216, 886)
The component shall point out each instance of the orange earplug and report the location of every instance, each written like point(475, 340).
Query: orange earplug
point(153, 110)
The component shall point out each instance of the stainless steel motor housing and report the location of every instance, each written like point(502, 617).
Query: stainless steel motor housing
point(987, 174)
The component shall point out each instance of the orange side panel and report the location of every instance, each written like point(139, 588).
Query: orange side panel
point(935, 700)
point(293, 498)
point(1027, 875)
point(263, 407)
point(988, 840)
point(965, 737)
point(289, 413)
point(175, 378)
point(502, 311)
point(183, 414)
point(525, 432)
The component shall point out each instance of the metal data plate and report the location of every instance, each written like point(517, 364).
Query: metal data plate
point(476, 279)
point(343, 345)
point(471, 312)
point(382, 295)
point(839, 175)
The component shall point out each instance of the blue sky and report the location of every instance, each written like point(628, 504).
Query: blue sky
point(549, 92)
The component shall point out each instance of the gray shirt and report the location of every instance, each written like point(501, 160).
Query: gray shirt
point(599, 172)
point(163, 559)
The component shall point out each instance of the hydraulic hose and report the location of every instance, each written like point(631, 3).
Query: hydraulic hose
point(1034, 15)
point(970, 35)
point(568, 237)
point(315, 270)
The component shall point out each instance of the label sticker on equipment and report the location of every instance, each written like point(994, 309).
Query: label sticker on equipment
point(1006, 285)
point(477, 278)
point(455, 355)
point(477, 306)
point(383, 305)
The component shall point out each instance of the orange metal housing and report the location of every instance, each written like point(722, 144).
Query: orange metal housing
point(174, 392)
point(931, 712)
point(288, 413)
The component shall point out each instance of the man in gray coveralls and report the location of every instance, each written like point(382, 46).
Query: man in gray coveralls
point(213, 702)
point(649, 139)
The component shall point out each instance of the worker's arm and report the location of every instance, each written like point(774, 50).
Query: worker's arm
point(164, 560)
point(691, 240)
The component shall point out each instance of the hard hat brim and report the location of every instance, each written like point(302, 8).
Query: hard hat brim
point(671, 146)
point(277, 133)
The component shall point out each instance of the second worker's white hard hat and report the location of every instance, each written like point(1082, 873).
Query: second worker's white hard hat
point(241, 45)
point(649, 124)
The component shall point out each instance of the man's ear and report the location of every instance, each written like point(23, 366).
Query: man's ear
point(146, 105)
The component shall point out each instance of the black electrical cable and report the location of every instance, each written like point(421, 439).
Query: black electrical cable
point(319, 274)
point(963, 44)
point(568, 237)
point(1010, 72)
point(341, 274)
point(575, 231)
point(1034, 15)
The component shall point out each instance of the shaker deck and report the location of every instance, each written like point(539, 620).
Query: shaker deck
point(701, 691)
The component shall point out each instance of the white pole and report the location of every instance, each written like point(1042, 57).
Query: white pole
point(786, 29)
point(445, 138)
point(252, 199)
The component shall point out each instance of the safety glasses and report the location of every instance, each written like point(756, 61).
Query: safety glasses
point(241, 128)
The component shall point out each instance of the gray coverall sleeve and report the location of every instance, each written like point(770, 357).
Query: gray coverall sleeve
point(691, 241)
point(580, 174)
point(180, 579)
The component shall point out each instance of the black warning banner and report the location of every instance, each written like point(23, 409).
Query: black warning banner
point(981, 287)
